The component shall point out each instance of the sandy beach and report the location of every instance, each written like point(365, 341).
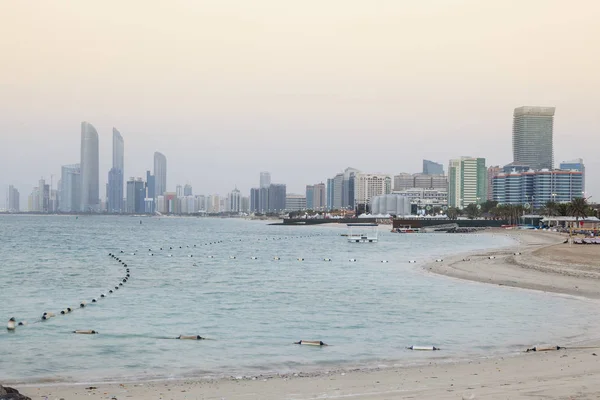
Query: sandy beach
point(542, 262)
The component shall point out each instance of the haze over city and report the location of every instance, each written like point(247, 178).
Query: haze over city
point(230, 88)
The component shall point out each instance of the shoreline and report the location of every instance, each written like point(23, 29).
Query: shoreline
point(555, 374)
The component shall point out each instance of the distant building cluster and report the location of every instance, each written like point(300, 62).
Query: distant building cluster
point(530, 179)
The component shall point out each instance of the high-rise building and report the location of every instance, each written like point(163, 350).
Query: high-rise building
point(348, 188)
point(491, 173)
point(263, 200)
point(136, 196)
point(151, 192)
point(70, 188)
point(536, 188)
point(575, 165)
point(245, 204)
point(319, 197)
point(33, 201)
point(115, 175)
point(370, 185)
point(467, 182)
point(187, 190)
point(338, 192)
point(310, 195)
point(533, 136)
point(330, 191)
point(160, 174)
point(265, 179)
point(276, 197)
point(255, 200)
point(179, 190)
point(44, 197)
point(432, 168)
point(295, 202)
point(90, 169)
point(14, 199)
point(234, 201)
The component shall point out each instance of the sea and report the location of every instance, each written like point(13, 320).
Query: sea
point(252, 289)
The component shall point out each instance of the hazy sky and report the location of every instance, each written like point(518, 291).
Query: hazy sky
point(303, 89)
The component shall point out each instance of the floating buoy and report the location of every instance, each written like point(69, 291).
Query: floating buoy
point(120, 283)
point(327, 259)
point(491, 257)
point(22, 323)
point(94, 300)
point(411, 261)
point(197, 337)
point(11, 324)
point(352, 260)
point(254, 258)
point(86, 332)
point(122, 251)
point(102, 295)
point(276, 258)
point(301, 259)
point(211, 256)
point(47, 315)
point(466, 259)
point(116, 288)
point(169, 255)
point(517, 254)
point(544, 348)
point(423, 348)
point(439, 260)
point(82, 304)
point(232, 257)
point(384, 261)
point(191, 255)
point(311, 343)
point(110, 291)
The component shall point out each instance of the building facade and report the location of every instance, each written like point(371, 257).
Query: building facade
point(115, 175)
point(467, 182)
point(536, 188)
point(90, 175)
point(160, 174)
point(276, 198)
point(136, 196)
point(265, 179)
point(491, 173)
point(295, 202)
point(533, 136)
point(369, 185)
point(392, 204)
point(425, 196)
point(70, 190)
point(14, 200)
point(574, 165)
point(310, 196)
point(432, 168)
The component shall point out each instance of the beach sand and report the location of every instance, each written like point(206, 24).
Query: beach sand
point(544, 264)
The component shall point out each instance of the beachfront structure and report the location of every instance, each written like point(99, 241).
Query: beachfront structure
point(295, 202)
point(536, 188)
point(392, 204)
point(467, 181)
point(14, 199)
point(532, 136)
point(424, 196)
point(367, 186)
point(491, 173)
point(160, 174)
point(70, 188)
point(90, 176)
point(432, 168)
point(575, 165)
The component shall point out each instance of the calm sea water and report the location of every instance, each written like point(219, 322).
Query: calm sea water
point(252, 308)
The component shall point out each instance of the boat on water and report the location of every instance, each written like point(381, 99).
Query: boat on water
point(406, 229)
point(362, 233)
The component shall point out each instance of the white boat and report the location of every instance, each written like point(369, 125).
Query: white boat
point(362, 233)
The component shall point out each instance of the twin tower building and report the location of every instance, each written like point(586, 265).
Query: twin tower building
point(81, 186)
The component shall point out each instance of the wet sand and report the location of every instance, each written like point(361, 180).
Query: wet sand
point(544, 264)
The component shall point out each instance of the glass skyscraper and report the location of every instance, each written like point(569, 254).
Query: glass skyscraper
point(116, 174)
point(432, 168)
point(532, 137)
point(160, 174)
point(90, 176)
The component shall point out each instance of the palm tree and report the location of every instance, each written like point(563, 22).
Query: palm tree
point(562, 209)
point(550, 209)
point(452, 212)
point(578, 208)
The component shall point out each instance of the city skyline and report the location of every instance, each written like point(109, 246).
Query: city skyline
point(430, 86)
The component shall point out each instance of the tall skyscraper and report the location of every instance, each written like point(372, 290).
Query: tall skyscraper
point(265, 179)
point(115, 175)
point(136, 195)
point(70, 188)
point(348, 188)
point(432, 168)
point(467, 182)
point(369, 185)
point(319, 197)
point(90, 174)
point(187, 190)
point(255, 200)
point(532, 136)
point(234, 201)
point(310, 195)
point(276, 197)
point(160, 174)
point(14, 199)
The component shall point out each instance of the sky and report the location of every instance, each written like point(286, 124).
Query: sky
point(228, 88)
